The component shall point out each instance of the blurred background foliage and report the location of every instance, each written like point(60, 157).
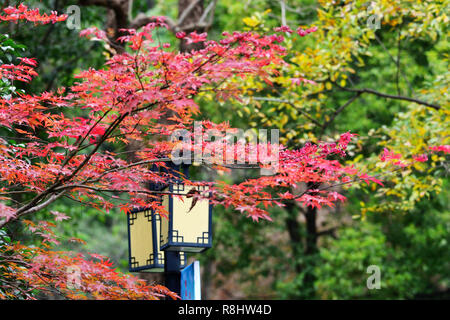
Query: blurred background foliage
point(403, 227)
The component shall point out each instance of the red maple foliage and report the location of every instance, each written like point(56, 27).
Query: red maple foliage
point(62, 155)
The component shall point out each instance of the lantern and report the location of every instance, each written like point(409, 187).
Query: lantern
point(187, 228)
point(143, 242)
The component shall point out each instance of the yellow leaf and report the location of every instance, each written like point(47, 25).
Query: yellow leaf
point(251, 21)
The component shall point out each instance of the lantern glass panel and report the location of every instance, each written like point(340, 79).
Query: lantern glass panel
point(187, 228)
point(144, 249)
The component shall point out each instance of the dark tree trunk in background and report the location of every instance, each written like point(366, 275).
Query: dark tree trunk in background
point(116, 19)
point(311, 228)
point(189, 22)
point(191, 17)
point(307, 247)
point(294, 231)
point(311, 249)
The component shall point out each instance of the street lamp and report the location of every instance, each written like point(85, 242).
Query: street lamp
point(157, 243)
point(187, 228)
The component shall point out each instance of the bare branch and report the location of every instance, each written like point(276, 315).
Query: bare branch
point(283, 12)
point(328, 232)
point(390, 96)
point(292, 104)
point(203, 23)
point(210, 8)
point(142, 20)
point(185, 13)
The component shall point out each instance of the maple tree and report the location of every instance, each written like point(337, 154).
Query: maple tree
point(67, 156)
point(26, 270)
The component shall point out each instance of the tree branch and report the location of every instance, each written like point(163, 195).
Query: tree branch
point(142, 20)
point(188, 10)
point(339, 110)
point(35, 208)
point(390, 96)
point(328, 232)
point(290, 103)
point(116, 5)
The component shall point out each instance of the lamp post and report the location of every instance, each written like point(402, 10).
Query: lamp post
point(159, 243)
point(172, 271)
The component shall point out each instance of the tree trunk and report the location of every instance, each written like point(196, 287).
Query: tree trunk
point(190, 21)
point(294, 231)
point(309, 250)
